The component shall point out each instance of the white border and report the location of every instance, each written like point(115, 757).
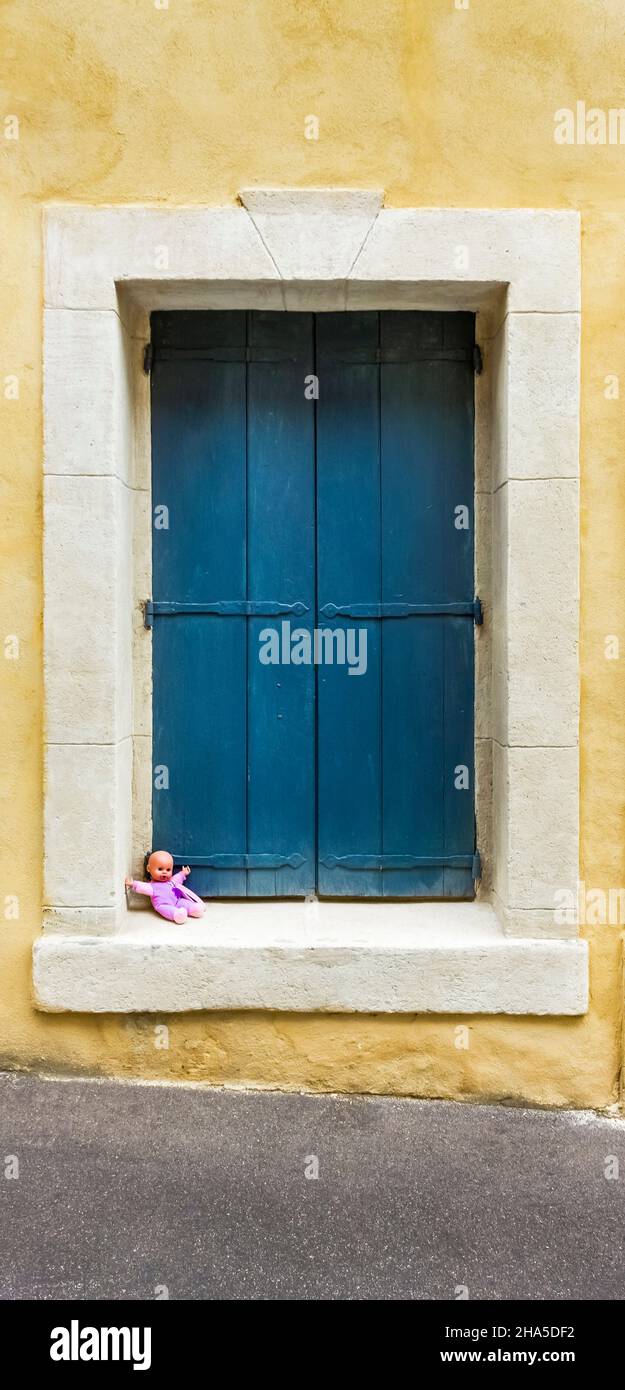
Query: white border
point(106, 268)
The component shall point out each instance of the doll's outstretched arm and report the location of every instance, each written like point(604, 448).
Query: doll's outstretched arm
point(137, 887)
point(179, 878)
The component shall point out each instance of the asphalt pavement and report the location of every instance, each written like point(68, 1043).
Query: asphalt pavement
point(148, 1191)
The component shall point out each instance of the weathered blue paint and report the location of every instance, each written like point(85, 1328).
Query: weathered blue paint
point(347, 511)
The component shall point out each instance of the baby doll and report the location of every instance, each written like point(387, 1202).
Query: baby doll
point(169, 896)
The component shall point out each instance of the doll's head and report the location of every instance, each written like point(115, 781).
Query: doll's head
point(160, 866)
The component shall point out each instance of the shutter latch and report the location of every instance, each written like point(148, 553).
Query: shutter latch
point(477, 359)
point(148, 358)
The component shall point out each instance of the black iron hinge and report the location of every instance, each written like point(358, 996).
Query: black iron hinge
point(478, 364)
point(477, 867)
point(148, 358)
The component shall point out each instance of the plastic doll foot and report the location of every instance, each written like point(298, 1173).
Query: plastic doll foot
point(180, 916)
point(197, 911)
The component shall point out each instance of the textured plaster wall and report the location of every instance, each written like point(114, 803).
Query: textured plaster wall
point(126, 102)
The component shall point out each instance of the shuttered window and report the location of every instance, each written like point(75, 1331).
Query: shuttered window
point(313, 602)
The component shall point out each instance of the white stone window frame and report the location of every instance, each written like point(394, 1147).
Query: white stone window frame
point(107, 268)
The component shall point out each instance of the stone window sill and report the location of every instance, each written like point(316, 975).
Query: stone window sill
point(313, 957)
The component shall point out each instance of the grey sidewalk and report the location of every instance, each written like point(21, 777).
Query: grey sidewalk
point(124, 1188)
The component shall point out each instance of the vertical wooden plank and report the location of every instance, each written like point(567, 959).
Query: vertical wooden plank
point(348, 559)
point(199, 663)
point(413, 647)
point(459, 789)
point(427, 472)
point(281, 567)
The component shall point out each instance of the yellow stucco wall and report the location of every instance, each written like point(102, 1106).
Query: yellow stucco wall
point(127, 102)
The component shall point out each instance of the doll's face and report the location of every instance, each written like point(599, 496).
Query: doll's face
point(160, 866)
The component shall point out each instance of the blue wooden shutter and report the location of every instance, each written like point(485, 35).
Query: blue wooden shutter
point(233, 462)
point(395, 470)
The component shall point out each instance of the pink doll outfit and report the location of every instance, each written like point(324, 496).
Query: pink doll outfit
point(167, 897)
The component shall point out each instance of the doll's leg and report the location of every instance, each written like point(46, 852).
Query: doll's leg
point(177, 914)
point(194, 905)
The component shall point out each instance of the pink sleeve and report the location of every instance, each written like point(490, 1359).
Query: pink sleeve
point(146, 888)
point(178, 878)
